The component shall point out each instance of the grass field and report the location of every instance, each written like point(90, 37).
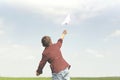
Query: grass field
point(102, 78)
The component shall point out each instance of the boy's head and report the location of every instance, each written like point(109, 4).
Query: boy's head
point(46, 41)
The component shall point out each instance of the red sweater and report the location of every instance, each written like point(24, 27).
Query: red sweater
point(53, 56)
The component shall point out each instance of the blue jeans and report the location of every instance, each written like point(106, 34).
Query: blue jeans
point(62, 75)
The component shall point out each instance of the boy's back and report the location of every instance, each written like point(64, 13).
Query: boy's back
point(54, 57)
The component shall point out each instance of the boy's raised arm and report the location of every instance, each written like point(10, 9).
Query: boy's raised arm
point(63, 34)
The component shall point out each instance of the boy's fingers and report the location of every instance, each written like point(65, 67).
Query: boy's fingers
point(37, 74)
point(65, 32)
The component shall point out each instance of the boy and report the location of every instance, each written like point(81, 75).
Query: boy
point(53, 55)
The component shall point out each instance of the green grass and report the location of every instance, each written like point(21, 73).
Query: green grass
point(102, 78)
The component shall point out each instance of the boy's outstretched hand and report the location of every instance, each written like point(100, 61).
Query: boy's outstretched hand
point(63, 34)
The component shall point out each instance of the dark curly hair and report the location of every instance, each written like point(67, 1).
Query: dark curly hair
point(46, 41)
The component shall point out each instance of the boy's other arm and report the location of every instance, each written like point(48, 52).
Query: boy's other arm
point(63, 34)
point(41, 65)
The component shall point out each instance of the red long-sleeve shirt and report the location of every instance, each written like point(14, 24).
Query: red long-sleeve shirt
point(52, 55)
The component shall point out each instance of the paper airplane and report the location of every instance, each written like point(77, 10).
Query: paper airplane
point(67, 20)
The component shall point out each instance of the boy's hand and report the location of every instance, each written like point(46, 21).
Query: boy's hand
point(65, 32)
point(37, 74)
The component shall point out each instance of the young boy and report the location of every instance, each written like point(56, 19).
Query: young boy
point(52, 54)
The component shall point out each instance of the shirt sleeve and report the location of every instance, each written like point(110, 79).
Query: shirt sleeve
point(59, 42)
point(42, 64)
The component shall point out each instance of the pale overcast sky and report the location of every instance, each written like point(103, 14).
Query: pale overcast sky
point(92, 45)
